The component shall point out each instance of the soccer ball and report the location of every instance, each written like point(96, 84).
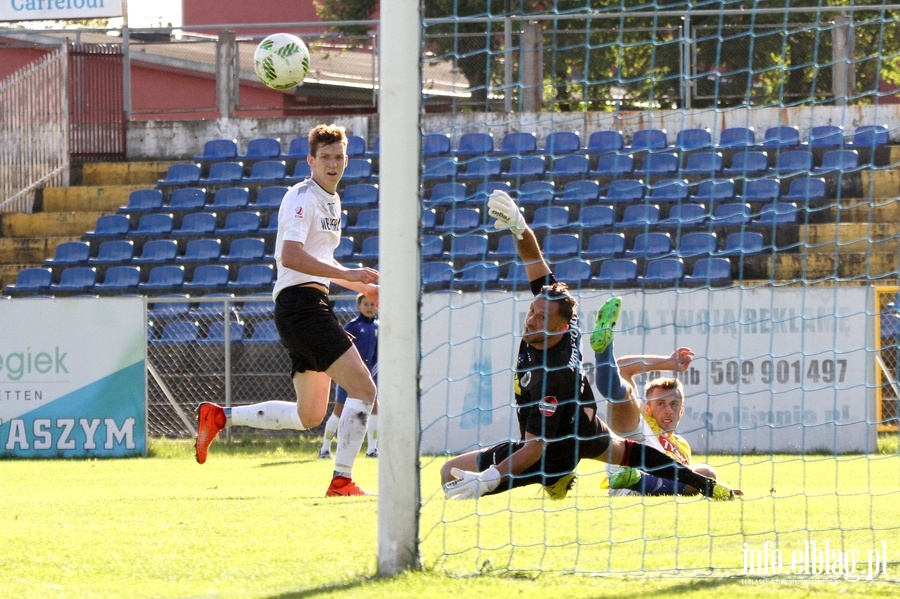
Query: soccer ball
point(281, 61)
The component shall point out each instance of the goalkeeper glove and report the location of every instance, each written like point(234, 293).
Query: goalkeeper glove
point(471, 485)
point(503, 208)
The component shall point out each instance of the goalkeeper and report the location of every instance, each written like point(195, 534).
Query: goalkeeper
point(555, 405)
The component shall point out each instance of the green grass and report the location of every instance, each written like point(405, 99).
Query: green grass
point(253, 522)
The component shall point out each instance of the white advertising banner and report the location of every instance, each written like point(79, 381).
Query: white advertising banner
point(72, 378)
point(776, 369)
point(51, 10)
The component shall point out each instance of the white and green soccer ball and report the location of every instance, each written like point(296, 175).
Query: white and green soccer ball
point(281, 61)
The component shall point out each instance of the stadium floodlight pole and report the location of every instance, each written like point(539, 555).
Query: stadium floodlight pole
point(399, 114)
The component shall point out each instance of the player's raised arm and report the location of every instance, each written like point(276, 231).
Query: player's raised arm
point(507, 215)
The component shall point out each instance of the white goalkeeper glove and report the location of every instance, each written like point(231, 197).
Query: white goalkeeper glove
point(508, 216)
point(471, 485)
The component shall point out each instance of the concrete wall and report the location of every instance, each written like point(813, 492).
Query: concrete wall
point(181, 140)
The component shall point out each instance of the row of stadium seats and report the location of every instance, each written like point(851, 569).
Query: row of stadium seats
point(177, 332)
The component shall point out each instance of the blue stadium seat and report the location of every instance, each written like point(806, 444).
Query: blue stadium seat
point(368, 251)
point(269, 198)
point(432, 247)
point(298, 148)
point(760, 190)
point(613, 165)
point(662, 272)
point(114, 251)
point(685, 216)
point(714, 191)
point(467, 248)
point(266, 171)
point(157, 251)
point(436, 144)
point(218, 149)
point(624, 191)
point(110, 225)
point(669, 191)
point(506, 249)
point(697, 243)
point(639, 216)
point(460, 221)
point(270, 227)
point(648, 140)
point(516, 277)
point(182, 174)
point(736, 138)
point(240, 223)
point(178, 332)
point(196, 224)
point(262, 148)
point(837, 161)
point(253, 278)
point(344, 249)
point(693, 139)
point(206, 311)
point(143, 200)
point(207, 278)
point(245, 249)
point(70, 253)
point(573, 165)
point(223, 173)
point(358, 169)
point(711, 271)
point(605, 245)
point(75, 280)
point(793, 162)
point(525, 167)
point(574, 272)
point(301, 172)
point(660, 164)
point(31, 281)
point(604, 142)
point(356, 146)
point(483, 192)
point(536, 193)
point(480, 167)
point(446, 194)
point(215, 333)
point(744, 242)
point(168, 310)
point(360, 194)
point(618, 272)
point(869, 136)
point(777, 214)
point(478, 274)
point(650, 245)
point(154, 224)
point(562, 245)
point(550, 217)
point(437, 273)
point(429, 218)
point(826, 136)
point(596, 216)
point(439, 168)
point(781, 137)
point(707, 164)
point(264, 332)
point(517, 143)
point(474, 144)
point(747, 164)
point(580, 192)
point(731, 214)
point(559, 143)
point(186, 199)
point(805, 189)
point(229, 198)
point(118, 280)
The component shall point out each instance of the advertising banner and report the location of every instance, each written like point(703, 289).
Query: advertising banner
point(52, 10)
point(72, 378)
point(776, 369)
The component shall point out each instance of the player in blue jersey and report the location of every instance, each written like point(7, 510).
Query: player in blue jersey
point(364, 331)
point(555, 407)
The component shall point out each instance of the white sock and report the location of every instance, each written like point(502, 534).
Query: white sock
point(351, 432)
point(270, 415)
point(330, 431)
point(372, 434)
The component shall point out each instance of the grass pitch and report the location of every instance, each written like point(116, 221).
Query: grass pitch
point(254, 522)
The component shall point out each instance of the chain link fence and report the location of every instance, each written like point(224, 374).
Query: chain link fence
point(888, 358)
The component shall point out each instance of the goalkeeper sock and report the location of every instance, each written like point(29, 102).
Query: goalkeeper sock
point(372, 434)
point(656, 462)
point(330, 431)
point(350, 435)
point(654, 485)
point(269, 415)
point(606, 374)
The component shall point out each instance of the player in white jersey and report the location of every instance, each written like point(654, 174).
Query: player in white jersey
point(309, 230)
